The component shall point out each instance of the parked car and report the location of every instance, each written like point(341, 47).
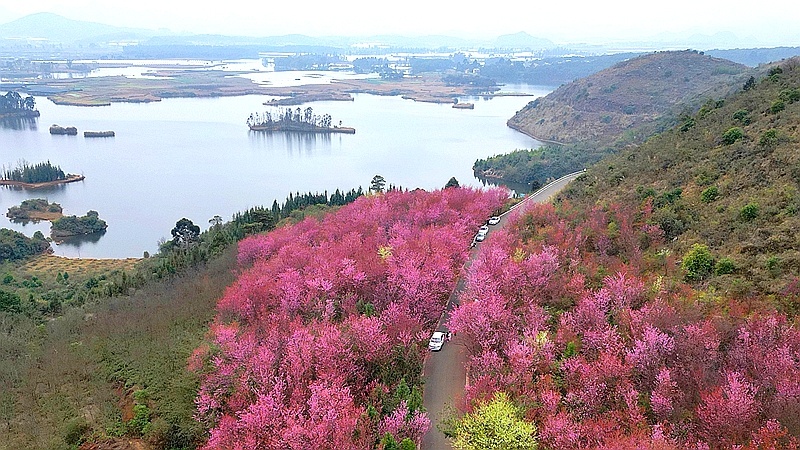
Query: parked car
point(437, 341)
point(483, 229)
point(494, 220)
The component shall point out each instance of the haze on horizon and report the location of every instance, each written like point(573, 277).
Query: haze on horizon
point(571, 21)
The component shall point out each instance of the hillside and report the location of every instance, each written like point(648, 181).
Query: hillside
point(655, 304)
point(728, 178)
point(629, 99)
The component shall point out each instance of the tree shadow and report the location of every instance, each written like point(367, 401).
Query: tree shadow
point(19, 123)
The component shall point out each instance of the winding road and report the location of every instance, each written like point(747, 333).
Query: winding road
point(444, 372)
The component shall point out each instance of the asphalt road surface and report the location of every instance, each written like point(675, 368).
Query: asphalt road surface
point(444, 371)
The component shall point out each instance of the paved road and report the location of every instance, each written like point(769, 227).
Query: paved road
point(444, 372)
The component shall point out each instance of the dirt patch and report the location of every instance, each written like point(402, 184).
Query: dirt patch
point(125, 403)
point(118, 444)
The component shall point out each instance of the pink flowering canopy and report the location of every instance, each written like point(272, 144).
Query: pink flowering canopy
point(571, 314)
point(319, 342)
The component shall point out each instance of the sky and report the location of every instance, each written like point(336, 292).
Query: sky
point(565, 21)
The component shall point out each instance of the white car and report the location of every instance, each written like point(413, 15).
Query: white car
point(436, 342)
point(483, 229)
point(494, 220)
point(480, 236)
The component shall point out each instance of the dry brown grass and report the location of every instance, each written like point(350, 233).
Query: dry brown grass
point(45, 266)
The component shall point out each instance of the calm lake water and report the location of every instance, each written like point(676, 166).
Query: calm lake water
point(196, 158)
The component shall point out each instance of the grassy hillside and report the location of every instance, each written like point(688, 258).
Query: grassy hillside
point(622, 99)
point(728, 178)
point(79, 377)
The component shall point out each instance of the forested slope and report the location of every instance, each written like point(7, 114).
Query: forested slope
point(726, 177)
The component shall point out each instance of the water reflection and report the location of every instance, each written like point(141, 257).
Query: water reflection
point(293, 141)
point(519, 189)
point(64, 75)
point(44, 190)
point(19, 123)
point(78, 241)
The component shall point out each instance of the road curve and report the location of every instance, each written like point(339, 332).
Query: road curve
point(444, 372)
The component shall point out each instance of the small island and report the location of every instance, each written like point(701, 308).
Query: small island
point(13, 105)
point(34, 210)
point(98, 134)
point(35, 176)
point(302, 121)
point(59, 130)
point(70, 226)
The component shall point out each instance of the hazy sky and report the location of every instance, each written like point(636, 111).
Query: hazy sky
point(774, 22)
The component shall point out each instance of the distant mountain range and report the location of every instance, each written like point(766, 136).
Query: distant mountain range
point(54, 28)
point(59, 29)
point(52, 32)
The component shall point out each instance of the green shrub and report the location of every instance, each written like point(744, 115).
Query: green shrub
point(790, 95)
point(407, 444)
point(495, 424)
point(732, 135)
point(725, 266)
point(749, 84)
point(774, 266)
point(709, 194)
point(697, 262)
point(77, 431)
point(742, 116)
point(141, 420)
point(688, 123)
point(9, 302)
point(768, 138)
point(777, 106)
point(748, 212)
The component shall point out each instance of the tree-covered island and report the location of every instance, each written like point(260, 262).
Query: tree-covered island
point(35, 209)
point(69, 226)
point(298, 120)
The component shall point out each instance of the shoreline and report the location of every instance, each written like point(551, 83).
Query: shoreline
point(20, 114)
point(24, 185)
point(315, 130)
point(530, 135)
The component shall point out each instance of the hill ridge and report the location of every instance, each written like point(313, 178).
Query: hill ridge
point(639, 92)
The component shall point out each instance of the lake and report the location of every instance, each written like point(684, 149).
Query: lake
point(196, 158)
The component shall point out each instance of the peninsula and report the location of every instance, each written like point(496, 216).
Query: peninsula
point(299, 121)
point(71, 178)
point(35, 176)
